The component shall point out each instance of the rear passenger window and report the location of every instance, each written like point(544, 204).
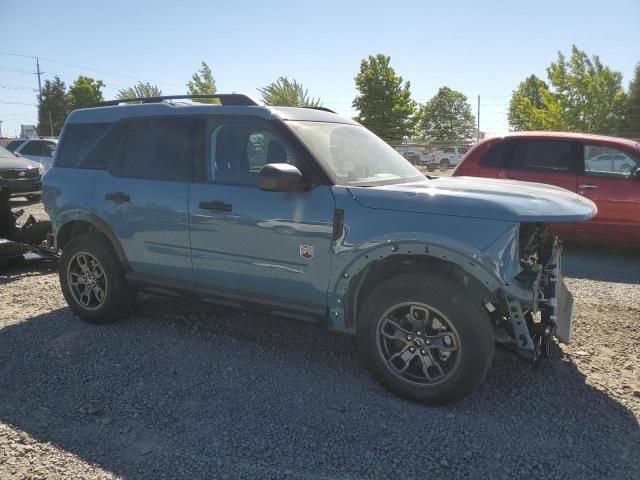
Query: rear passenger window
point(158, 149)
point(497, 155)
point(544, 155)
point(76, 142)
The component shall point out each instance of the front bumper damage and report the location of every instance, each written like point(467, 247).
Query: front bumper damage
point(537, 307)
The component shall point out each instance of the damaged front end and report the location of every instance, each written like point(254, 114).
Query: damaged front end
point(536, 304)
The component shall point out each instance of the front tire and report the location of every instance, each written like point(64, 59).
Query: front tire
point(92, 280)
point(425, 339)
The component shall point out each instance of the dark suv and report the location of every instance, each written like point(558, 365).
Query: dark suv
point(298, 212)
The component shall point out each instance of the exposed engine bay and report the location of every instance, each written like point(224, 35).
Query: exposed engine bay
point(533, 325)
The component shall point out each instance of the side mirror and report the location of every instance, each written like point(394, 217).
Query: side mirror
point(280, 177)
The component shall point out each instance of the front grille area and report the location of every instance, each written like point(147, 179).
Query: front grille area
point(19, 173)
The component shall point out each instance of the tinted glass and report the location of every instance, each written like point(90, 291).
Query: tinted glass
point(604, 161)
point(13, 145)
point(544, 155)
point(32, 148)
point(239, 151)
point(158, 149)
point(48, 148)
point(497, 155)
point(77, 141)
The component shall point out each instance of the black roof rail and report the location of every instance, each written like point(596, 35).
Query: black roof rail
point(324, 109)
point(238, 99)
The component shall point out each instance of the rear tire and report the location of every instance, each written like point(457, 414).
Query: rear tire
point(458, 324)
point(445, 164)
point(92, 280)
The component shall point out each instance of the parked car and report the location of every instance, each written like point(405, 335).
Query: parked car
point(603, 169)
point(37, 149)
point(22, 175)
point(299, 212)
point(444, 158)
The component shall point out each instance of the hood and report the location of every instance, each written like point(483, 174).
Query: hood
point(507, 200)
point(12, 162)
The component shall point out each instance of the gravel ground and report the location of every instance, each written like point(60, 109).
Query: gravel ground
point(189, 391)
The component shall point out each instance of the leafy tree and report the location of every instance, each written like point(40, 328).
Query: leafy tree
point(84, 92)
point(139, 90)
point(203, 83)
point(630, 125)
point(384, 102)
point(446, 118)
point(52, 106)
point(590, 95)
point(287, 93)
point(528, 97)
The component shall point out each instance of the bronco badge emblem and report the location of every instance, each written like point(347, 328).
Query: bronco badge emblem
point(306, 251)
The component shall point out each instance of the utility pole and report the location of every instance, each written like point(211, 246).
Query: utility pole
point(40, 95)
point(39, 83)
point(478, 138)
point(0, 128)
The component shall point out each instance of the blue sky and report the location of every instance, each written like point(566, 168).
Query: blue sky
point(480, 48)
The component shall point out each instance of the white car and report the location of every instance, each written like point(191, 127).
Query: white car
point(445, 158)
point(36, 149)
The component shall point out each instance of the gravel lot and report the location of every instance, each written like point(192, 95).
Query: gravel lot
point(191, 391)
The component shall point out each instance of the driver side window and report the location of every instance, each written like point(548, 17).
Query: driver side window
point(601, 161)
point(238, 151)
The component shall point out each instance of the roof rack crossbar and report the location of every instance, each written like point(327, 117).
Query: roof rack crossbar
point(237, 99)
point(324, 109)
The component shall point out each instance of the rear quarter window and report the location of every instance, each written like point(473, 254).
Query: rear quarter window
point(497, 155)
point(77, 141)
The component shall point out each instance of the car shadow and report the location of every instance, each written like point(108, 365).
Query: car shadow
point(206, 392)
point(602, 263)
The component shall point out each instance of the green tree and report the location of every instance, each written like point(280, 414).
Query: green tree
point(384, 102)
point(203, 83)
point(630, 124)
point(52, 107)
point(590, 94)
point(84, 92)
point(446, 118)
point(525, 100)
point(287, 93)
point(139, 90)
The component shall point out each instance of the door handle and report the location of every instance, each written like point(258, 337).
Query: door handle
point(587, 187)
point(118, 197)
point(216, 205)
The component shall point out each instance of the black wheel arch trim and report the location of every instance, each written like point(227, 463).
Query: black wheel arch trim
point(98, 225)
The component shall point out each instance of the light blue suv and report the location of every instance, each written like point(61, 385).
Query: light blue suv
point(298, 212)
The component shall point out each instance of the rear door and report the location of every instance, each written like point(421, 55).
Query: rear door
point(549, 161)
point(609, 180)
point(144, 195)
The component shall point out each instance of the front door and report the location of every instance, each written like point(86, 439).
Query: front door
point(263, 246)
point(144, 196)
point(553, 162)
point(609, 179)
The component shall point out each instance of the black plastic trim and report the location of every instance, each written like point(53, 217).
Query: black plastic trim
point(229, 298)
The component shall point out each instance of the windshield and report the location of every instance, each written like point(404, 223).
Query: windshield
point(354, 155)
point(4, 153)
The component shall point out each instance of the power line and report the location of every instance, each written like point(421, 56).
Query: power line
point(90, 69)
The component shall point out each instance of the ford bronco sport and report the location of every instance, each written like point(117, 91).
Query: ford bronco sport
point(298, 212)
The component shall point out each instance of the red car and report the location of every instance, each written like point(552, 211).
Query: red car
point(604, 169)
